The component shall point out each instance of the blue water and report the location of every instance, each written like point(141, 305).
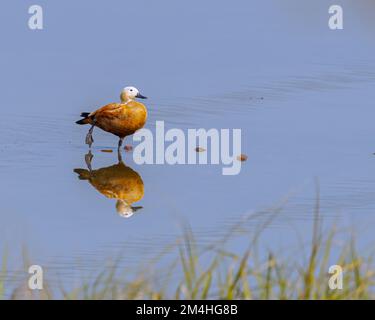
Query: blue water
point(302, 94)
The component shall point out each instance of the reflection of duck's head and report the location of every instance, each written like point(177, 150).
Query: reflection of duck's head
point(116, 182)
point(124, 209)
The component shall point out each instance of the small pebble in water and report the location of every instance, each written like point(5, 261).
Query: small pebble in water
point(242, 157)
point(128, 148)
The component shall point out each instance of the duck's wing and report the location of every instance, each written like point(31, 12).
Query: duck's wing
point(109, 110)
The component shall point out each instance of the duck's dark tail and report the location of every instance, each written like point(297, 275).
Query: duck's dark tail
point(85, 119)
point(83, 174)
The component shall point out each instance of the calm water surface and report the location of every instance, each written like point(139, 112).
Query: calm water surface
point(302, 94)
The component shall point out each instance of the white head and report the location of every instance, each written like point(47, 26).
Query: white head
point(124, 209)
point(130, 93)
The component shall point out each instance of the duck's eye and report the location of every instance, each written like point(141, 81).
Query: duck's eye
point(131, 90)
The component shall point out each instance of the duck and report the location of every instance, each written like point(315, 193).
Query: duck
point(121, 119)
point(117, 181)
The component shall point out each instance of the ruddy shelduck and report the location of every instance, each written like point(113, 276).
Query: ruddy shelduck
point(121, 119)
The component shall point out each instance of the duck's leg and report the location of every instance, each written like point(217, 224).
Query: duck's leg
point(119, 156)
point(120, 142)
point(89, 139)
point(119, 148)
point(88, 158)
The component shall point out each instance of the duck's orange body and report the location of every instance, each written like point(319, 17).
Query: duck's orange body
point(120, 119)
point(116, 182)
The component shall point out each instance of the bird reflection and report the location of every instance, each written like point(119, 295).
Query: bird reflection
point(115, 182)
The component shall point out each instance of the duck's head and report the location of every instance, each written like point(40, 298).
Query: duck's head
point(124, 209)
point(130, 93)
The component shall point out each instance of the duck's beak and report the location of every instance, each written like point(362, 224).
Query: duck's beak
point(140, 96)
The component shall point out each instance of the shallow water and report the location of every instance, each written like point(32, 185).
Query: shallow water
point(302, 94)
